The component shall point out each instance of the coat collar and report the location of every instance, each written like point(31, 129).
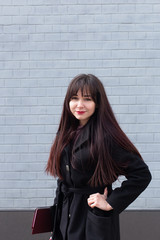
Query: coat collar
point(83, 137)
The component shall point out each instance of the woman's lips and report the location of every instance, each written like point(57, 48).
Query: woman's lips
point(80, 112)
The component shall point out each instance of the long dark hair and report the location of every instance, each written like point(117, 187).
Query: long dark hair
point(104, 131)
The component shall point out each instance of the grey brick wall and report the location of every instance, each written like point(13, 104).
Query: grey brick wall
point(43, 44)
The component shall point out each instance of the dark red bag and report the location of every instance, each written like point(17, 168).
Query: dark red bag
point(43, 219)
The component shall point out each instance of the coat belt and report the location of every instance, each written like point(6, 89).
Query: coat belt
point(87, 190)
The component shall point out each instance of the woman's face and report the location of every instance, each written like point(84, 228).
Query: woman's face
point(82, 107)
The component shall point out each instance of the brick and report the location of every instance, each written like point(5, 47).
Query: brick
point(128, 82)
point(51, 129)
point(144, 99)
point(120, 72)
point(6, 110)
point(20, 149)
point(128, 44)
point(59, 9)
point(140, 90)
point(20, 56)
point(156, 8)
point(27, 10)
point(1, 139)
point(69, 19)
point(43, 29)
point(84, 2)
point(152, 203)
point(156, 174)
point(6, 74)
point(156, 156)
point(145, 137)
point(148, 157)
point(124, 18)
point(36, 202)
point(27, 29)
point(41, 157)
point(153, 109)
point(75, 28)
point(127, 27)
point(13, 29)
point(151, 193)
point(139, 109)
point(120, 108)
point(61, 82)
point(35, 19)
point(2, 102)
point(7, 2)
point(44, 138)
point(127, 8)
point(19, 2)
point(11, 139)
point(127, 118)
point(46, 101)
point(12, 65)
point(6, 37)
point(120, 36)
point(6, 56)
point(110, 9)
point(37, 37)
point(144, 8)
point(14, 129)
point(54, 91)
point(10, 10)
point(51, 36)
point(6, 204)
point(21, 203)
point(10, 46)
point(84, 9)
point(103, 54)
point(6, 92)
point(54, 109)
point(146, 63)
point(22, 110)
point(13, 194)
point(19, 20)
point(36, 128)
point(139, 203)
point(5, 20)
point(85, 19)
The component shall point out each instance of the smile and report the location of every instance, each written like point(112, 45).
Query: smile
point(80, 112)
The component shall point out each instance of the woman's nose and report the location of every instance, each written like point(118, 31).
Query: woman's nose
point(80, 103)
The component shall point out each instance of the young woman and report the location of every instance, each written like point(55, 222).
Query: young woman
point(89, 153)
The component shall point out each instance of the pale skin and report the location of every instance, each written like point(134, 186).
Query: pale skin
point(82, 107)
point(99, 200)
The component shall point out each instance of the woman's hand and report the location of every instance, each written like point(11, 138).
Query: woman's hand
point(99, 200)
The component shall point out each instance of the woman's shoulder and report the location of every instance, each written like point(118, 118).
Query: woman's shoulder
point(121, 154)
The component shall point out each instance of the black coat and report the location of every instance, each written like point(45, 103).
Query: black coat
point(78, 221)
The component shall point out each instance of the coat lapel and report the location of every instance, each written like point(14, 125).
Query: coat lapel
point(83, 137)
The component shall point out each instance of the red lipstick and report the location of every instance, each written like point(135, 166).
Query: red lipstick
point(80, 112)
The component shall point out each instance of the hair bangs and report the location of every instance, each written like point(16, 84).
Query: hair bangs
point(83, 84)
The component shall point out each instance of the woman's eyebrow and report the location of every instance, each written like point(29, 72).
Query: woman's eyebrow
point(86, 95)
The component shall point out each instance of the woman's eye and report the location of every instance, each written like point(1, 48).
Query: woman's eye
point(88, 99)
point(74, 98)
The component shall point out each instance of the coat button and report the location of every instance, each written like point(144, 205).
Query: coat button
point(69, 215)
point(67, 168)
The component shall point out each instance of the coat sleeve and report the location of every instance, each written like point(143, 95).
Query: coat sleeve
point(57, 191)
point(137, 176)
